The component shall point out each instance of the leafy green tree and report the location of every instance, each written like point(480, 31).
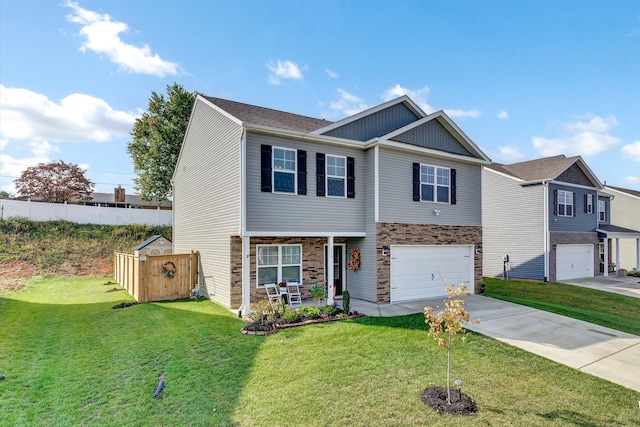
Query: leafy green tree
point(5, 195)
point(157, 138)
point(54, 182)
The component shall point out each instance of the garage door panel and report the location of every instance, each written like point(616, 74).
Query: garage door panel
point(574, 261)
point(420, 272)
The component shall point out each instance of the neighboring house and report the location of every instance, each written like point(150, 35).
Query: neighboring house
point(154, 245)
point(118, 199)
point(544, 219)
point(625, 214)
point(389, 199)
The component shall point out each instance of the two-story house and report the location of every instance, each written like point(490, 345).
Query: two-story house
point(385, 203)
point(545, 219)
point(620, 232)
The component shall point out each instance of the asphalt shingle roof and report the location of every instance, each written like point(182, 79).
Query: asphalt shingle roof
point(539, 169)
point(253, 114)
point(626, 190)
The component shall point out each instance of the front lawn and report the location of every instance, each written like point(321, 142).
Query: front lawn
point(591, 305)
point(70, 359)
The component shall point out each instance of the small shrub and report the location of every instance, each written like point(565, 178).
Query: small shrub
point(290, 316)
point(634, 273)
point(310, 311)
point(329, 310)
point(262, 312)
point(346, 301)
point(319, 292)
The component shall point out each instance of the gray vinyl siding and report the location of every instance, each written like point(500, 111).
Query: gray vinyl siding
point(513, 224)
point(376, 124)
point(433, 135)
point(207, 193)
point(396, 191)
point(362, 283)
point(273, 212)
point(581, 222)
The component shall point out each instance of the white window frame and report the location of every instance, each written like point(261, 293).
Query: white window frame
point(293, 171)
point(435, 183)
point(280, 263)
point(566, 203)
point(336, 177)
point(602, 211)
point(589, 203)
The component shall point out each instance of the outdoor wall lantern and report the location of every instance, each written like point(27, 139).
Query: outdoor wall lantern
point(436, 211)
point(555, 247)
point(479, 248)
point(385, 250)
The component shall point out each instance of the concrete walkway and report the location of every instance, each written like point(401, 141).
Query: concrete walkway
point(624, 285)
point(600, 351)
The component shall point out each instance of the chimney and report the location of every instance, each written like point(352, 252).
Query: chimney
point(118, 194)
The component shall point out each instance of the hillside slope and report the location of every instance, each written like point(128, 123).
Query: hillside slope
point(61, 248)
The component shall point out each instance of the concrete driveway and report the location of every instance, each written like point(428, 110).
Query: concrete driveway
point(624, 285)
point(600, 351)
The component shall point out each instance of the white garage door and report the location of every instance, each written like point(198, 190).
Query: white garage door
point(420, 272)
point(574, 261)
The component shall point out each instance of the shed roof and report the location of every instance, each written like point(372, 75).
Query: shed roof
point(256, 115)
point(149, 241)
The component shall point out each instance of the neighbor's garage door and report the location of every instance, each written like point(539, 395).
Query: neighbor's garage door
point(574, 261)
point(420, 272)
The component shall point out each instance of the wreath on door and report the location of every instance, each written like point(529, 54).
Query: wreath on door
point(354, 264)
point(169, 269)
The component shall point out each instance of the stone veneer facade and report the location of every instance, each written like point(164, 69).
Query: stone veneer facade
point(312, 264)
point(388, 234)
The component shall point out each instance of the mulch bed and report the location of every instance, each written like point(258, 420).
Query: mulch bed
point(257, 328)
point(124, 305)
point(461, 404)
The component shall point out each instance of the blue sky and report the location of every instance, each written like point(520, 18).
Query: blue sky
point(523, 79)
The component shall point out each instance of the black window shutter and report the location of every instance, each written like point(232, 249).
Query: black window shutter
point(265, 178)
point(302, 172)
point(320, 174)
point(416, 182)
point(351, 177)
point(573, 197)
point(453, 187)
point(555, 202)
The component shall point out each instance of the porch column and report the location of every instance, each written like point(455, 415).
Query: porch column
point(605, 261)
point(330, 277)
point(617, 254)
point(246, 275)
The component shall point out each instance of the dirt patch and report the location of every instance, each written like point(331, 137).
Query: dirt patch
point(11, 285)
point(461, 404)
point(16, 269)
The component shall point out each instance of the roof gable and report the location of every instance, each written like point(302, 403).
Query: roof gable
point(375, 124)
point(574, 175)
point(561, 168)
point(433, 134)
point(262, 116)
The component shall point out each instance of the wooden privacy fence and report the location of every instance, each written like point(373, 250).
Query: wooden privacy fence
point(156, 277)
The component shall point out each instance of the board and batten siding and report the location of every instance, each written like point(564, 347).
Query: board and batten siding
point(207, 192)
point(273, 212)
point(396, 191)
point(581, 222)
point(362, 283)
point(376, 124)
point(512, 224)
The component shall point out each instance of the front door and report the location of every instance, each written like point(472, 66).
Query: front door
point(338, 267)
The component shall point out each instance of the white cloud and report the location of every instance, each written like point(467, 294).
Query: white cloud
point(419, 96)
point(42, 148)
point(348, 104)
point(30, 116)
point(507, 154)
point(632, 180)
point(12, 167)
point(587, 137)
point(503, 115)
point(283, 70)
point(102, 35)
point(632, 151)
point(332, 74)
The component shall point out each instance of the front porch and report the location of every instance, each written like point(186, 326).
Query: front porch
point(609, 234)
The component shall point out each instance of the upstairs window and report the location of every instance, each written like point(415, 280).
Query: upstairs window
point(602, 211)
point(336, 176)
point(284, 170)
point(588, 203)
point(564, 203)
point(434, 184)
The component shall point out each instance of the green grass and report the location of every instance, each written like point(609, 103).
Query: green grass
point(70, 359)
point(591, 305)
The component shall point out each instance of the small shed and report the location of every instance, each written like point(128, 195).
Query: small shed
point(155, 245)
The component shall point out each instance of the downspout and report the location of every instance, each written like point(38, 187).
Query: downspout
point(246, 264)
point(545, 186)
